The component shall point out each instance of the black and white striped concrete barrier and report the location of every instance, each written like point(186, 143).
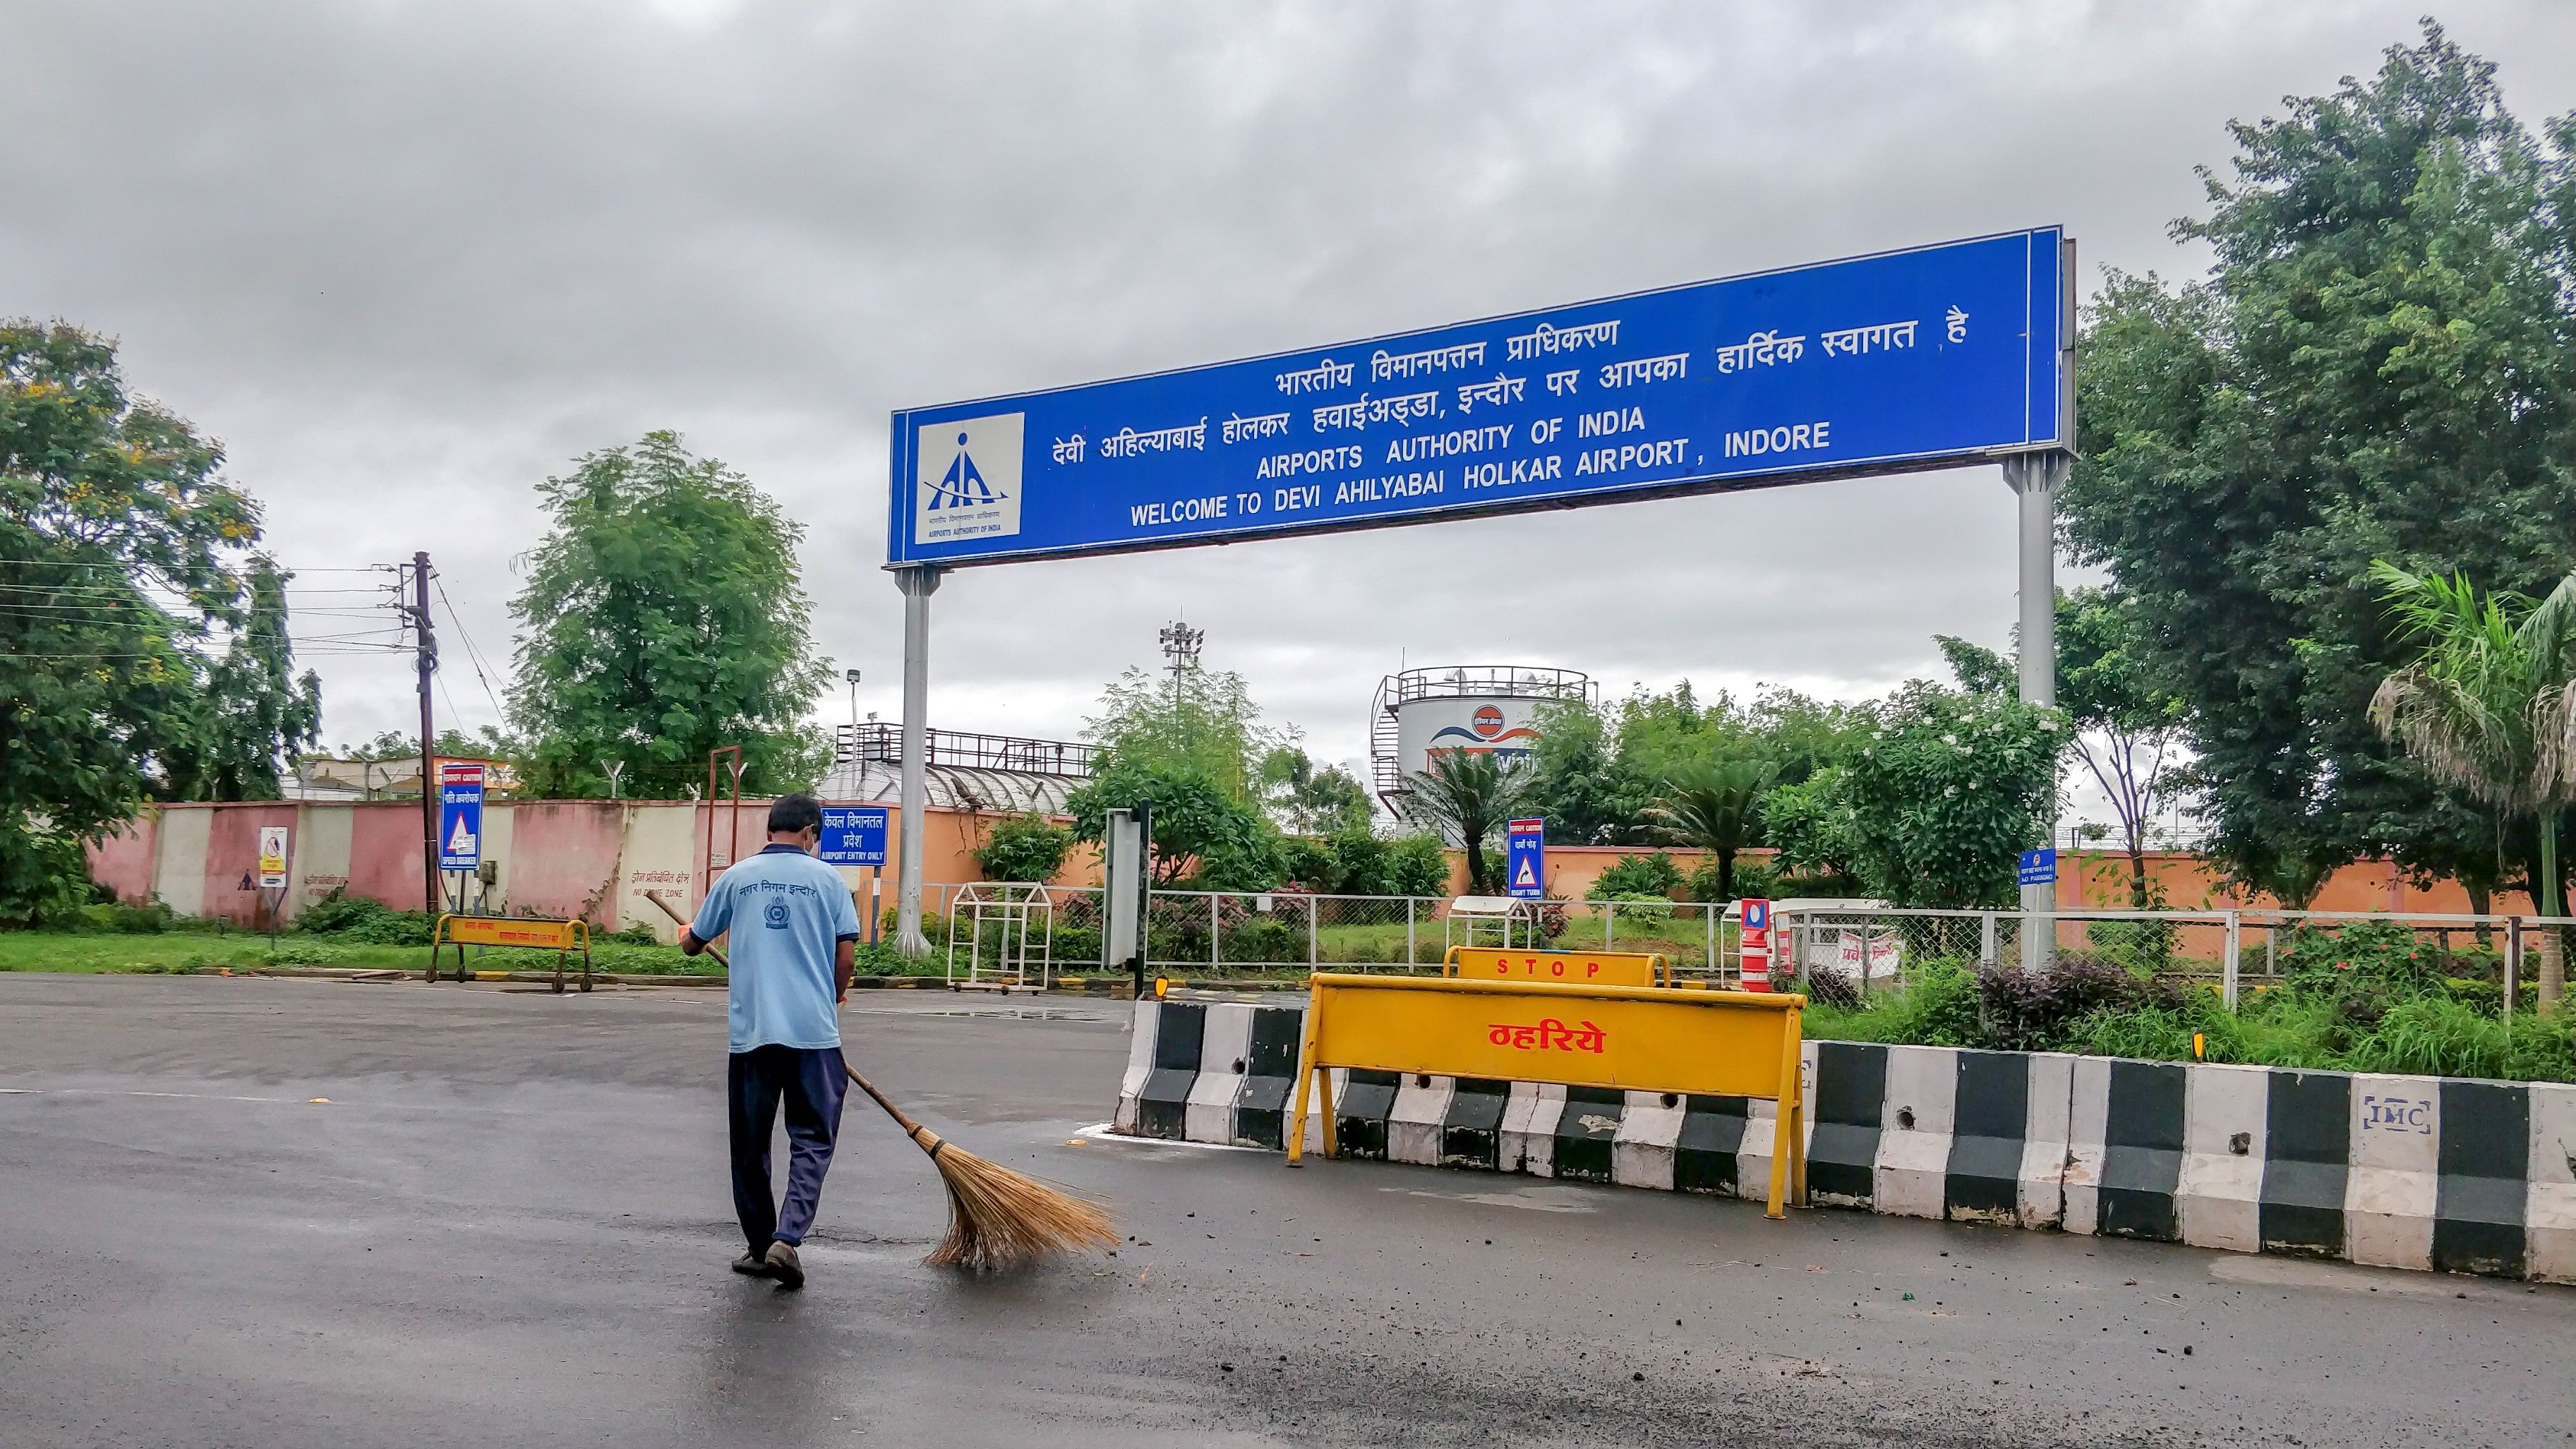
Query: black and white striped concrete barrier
point(2403, 1172)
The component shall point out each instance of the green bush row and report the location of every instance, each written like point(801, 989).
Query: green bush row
point(2366, 999)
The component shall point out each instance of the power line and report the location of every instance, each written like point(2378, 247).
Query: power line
point(63, 563)
point(473, 655)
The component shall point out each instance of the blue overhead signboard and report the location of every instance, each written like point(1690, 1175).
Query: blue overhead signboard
point(853, 835)
point(1915, 359)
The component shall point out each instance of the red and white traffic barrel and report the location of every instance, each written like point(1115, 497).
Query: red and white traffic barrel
point(1754, 946)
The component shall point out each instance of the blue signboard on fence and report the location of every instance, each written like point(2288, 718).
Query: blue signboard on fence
point(854, 835)
point(1926, 358)
point(1525, 859)
point(460, 816)
point(2039, 867)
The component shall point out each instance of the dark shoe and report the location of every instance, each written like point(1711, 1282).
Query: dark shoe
point(782, 1265)
point(752, 1265)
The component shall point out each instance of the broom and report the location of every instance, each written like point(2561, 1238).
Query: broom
point(997, 1218)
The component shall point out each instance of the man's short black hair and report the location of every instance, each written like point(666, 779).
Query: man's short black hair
point(789, 814)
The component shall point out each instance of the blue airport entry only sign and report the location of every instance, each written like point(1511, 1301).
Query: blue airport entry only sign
point(1525, 859)
point(2039, 867)
point(853, 835)
point(1932, 357)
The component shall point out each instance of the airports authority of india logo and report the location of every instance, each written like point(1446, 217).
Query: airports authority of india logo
point(968, 479)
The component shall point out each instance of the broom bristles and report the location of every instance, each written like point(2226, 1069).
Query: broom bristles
point(1000, 1219)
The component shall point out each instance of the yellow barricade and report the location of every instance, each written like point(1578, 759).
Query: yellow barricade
point(560, 937)
point(1560, 968)
point(1631, 1038)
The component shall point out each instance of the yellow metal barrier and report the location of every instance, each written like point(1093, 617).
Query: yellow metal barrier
point(1559, 968)
point(1632, 1038)
point(530, 931)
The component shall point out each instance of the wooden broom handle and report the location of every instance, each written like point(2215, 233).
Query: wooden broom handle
point(911, 1128)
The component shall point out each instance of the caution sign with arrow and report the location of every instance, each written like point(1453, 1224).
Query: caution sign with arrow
point(1525, 859)
point(460, 816)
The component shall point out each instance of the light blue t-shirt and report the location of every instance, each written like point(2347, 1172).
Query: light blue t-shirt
point(786, 911)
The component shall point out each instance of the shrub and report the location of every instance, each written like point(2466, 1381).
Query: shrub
point(1026, 847)
point(358, 919)
point(1755, 879)
point(2036, 1011)
point(1638, 878)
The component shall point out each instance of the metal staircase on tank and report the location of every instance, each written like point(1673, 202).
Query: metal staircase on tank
point(1386, 768)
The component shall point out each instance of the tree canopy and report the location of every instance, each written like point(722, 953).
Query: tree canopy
point(2378, 367)
point(663, 617)
point(125, 558)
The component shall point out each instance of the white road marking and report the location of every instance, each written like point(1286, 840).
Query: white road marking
point(1099, 1132)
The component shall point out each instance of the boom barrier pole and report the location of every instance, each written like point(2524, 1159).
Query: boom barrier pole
point(918, 584)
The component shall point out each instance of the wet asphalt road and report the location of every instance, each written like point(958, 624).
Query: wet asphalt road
point(509, 1224)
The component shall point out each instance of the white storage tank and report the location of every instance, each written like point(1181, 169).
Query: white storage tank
point(1478, 708)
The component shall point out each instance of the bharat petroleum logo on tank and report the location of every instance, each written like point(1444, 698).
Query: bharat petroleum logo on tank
point(967, 482)
point(1484, 735)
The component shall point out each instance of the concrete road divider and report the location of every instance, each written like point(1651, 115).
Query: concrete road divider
point(2549, 1215)
point(2417, 1172)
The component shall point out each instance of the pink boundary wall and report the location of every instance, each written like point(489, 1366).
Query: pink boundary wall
point(566, 857)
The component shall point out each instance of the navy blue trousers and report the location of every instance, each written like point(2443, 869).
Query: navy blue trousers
point(812, 1083)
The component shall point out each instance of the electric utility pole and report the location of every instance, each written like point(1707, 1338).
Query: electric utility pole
point(428, 661)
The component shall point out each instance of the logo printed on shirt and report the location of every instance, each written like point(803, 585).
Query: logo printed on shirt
point(773, 914)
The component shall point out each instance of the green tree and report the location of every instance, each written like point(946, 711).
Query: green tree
point(2488, 708)
point(1207, 719)
point(1947, 794)
point(1203, 833)
point(1311, 799)
point(1027, 847)
point(1469, 796)
point(1577, 780)
point(251, 712)
point(1716, 807)
point(2378, 367)
point(2129, 725)
point(1597, 772)
point(663, 618)
point(120, 558)
point(1812, 826)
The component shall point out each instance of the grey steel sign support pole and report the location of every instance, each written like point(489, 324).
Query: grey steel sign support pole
point(918, 584)
point(2036, 477)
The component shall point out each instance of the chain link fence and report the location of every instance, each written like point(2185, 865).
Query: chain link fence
point(1838, 951)
point(2235, 951)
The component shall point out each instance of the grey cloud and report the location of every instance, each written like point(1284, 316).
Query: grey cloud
point(408, 259)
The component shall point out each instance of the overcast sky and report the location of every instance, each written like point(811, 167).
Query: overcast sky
point(407, 259)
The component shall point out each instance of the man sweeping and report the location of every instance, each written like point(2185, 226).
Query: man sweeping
point(795, 934)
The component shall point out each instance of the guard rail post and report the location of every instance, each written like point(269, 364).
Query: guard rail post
point(2227, 989)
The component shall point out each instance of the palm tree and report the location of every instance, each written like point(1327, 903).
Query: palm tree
point(1469, 796)
point(1717, 808)
point(2489, 708)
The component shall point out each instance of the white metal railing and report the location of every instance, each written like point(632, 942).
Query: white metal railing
point(1228, 932)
